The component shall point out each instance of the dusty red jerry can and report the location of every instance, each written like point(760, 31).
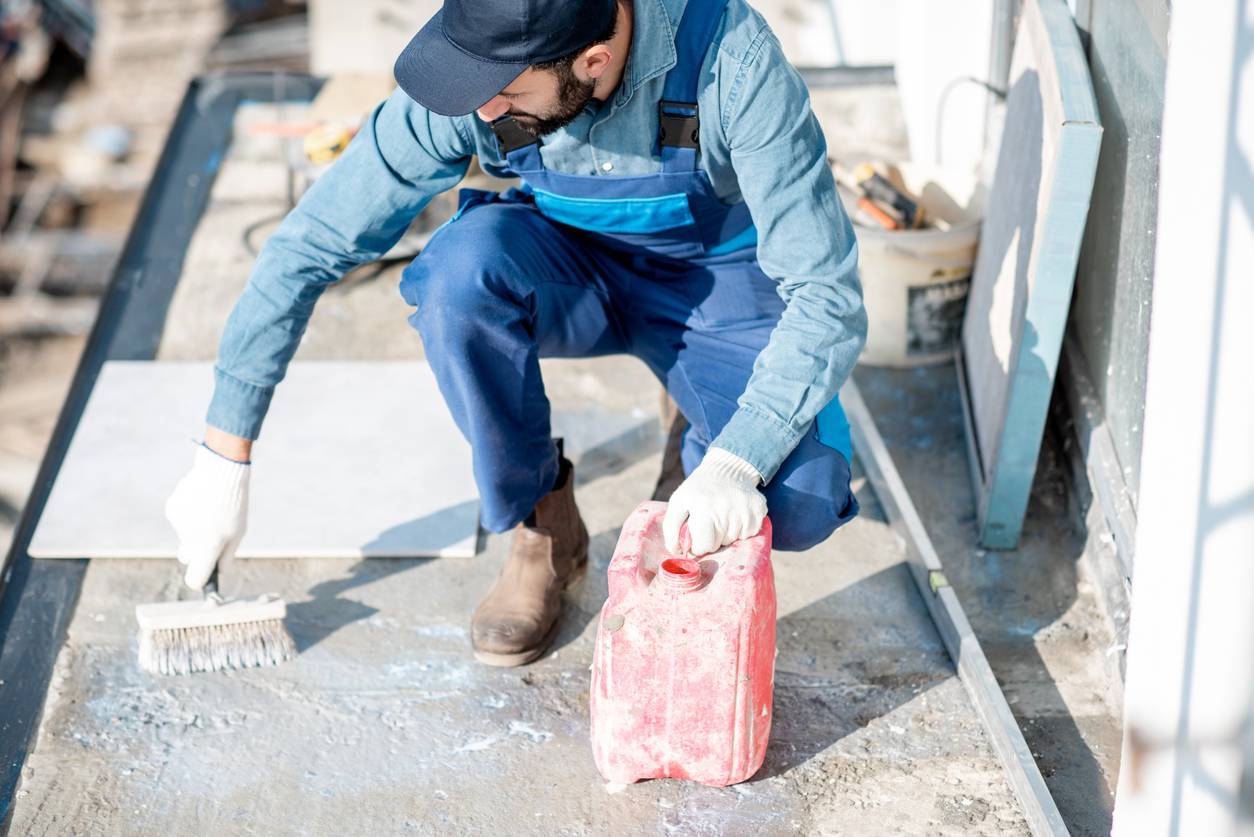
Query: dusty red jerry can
point(684, 667)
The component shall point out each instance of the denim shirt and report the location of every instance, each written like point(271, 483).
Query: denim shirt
point(759, 143)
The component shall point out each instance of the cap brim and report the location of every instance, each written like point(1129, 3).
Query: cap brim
point(446, 80)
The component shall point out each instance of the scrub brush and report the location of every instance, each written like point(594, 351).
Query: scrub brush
point(213, 634)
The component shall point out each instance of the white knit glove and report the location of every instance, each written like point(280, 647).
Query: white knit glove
point(721, 502)
point(208, 510)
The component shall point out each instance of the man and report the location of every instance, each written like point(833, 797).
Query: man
point(676, 205)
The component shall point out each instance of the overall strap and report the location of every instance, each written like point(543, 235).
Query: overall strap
point(519, 149)
point(678, 121)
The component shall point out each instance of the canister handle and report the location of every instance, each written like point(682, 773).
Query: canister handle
point(685, 541)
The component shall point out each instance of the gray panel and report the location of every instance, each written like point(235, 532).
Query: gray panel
point(1025, 266)
point(1111, 309)
point(993, 333)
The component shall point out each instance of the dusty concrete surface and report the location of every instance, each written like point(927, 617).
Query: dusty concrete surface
point(386, 722)
point(1036, 614)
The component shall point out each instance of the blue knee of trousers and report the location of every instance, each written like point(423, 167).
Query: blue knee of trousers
point(809, 502)
point(465, 270)
point(453, 292)
point(795, 530)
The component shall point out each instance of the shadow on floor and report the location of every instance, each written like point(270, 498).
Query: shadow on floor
point(1010, 597)
point(326, 612)
point(582, 602)
point(831, 681)
point(617, 454)
point(313, 621)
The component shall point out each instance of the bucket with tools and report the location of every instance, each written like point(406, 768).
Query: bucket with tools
point(917, 232)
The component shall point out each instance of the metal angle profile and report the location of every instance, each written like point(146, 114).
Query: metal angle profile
point(925, 567)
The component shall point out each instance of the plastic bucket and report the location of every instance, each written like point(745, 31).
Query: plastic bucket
point(915, 282)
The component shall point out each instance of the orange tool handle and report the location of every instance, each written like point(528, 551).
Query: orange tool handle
point(885, 220)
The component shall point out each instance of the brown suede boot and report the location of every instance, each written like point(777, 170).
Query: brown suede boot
point(517, 620)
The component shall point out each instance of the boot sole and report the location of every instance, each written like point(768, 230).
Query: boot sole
point(521, 658)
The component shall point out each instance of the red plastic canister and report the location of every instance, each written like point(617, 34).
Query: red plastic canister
point(684, 666)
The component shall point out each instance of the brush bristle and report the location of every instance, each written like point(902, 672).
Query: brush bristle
point(215, 647)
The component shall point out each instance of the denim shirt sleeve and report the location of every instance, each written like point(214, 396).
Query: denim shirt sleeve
point(806, 243)
point(357, 210)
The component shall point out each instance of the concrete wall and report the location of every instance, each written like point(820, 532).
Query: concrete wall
point(1110, 312)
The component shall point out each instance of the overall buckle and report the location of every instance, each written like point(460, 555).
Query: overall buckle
point(678, 130)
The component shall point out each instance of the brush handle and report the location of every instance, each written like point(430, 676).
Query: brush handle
point(211, 586)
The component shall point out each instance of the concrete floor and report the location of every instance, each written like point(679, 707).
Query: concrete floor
point(386, 722)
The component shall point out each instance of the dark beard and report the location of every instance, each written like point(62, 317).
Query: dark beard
point(572, 95)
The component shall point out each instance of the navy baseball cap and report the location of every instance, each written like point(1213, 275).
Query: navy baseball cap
point(472, 49)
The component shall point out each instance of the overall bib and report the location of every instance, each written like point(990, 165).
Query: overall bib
point(583, 265)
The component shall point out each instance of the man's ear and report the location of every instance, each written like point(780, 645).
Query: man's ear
point(593, 63)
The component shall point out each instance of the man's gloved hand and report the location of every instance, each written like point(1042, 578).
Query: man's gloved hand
point(208, 510)
point(719, 500)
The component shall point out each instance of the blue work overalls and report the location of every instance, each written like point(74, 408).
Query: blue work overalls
point(578, 266)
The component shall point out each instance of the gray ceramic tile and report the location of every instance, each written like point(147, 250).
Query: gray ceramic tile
point(354, 460)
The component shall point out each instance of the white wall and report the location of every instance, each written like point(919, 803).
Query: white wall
point(1190, 679)
point(941, 42)
point(363, 36)
point(866, 31)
